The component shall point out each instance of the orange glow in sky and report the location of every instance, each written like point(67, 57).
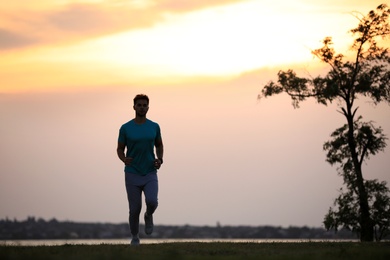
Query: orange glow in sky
point(68, 44)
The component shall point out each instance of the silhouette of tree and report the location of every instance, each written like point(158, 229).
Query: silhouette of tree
point(366, 75)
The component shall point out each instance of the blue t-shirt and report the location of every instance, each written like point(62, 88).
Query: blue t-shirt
point(140, 140)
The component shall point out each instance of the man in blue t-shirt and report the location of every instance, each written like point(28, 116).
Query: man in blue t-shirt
point(139, 137)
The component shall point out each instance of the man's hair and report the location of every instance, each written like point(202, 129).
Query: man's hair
point(141, 97)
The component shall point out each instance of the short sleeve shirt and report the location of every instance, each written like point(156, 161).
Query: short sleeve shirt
point(140, 140)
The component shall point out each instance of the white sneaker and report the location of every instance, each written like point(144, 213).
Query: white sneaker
point(148, 224)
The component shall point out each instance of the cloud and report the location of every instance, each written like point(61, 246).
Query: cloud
point(69, 24)
point(76, 22)
point(10, 40)
point(346, 6)
point(79, 19)
point(187, 6)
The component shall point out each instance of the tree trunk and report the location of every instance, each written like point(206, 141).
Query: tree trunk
point(367, 229)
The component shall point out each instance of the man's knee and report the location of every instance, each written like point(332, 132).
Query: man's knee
point(152, 203)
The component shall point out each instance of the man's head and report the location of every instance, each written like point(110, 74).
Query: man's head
point(141, 97)
point(141, 105)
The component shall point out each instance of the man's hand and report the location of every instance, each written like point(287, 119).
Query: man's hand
point(128, 160)
point(157, 163)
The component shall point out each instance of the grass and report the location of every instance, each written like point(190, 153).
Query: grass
point(200, 250)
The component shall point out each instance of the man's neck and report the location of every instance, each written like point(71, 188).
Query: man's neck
point(140, 120)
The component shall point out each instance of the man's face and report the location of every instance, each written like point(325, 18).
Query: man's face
point(141, 107)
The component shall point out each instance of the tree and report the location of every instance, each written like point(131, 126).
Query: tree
point(369, 140)
point(367, 74)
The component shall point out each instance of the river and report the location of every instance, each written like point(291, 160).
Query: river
point(59, 242)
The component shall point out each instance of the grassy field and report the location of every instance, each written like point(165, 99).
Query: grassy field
point(199, 250)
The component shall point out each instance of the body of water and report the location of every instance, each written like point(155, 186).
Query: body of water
point(59, 242)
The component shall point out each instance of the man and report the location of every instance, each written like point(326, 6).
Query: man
point(139, 137)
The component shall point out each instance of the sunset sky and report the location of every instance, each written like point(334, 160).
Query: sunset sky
point(68, 73)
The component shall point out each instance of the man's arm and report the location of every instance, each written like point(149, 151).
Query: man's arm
point(159, 150)
point(120, 150)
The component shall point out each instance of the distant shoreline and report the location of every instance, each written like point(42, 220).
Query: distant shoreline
point(40, 229)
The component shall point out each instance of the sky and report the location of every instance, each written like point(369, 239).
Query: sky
point(69, 70)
